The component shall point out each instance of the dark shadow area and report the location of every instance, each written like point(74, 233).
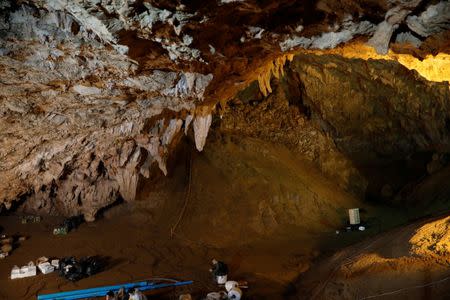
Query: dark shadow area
point(101, 212)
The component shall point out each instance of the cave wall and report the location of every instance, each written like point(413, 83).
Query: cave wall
point(355, 119)
point(375, 108)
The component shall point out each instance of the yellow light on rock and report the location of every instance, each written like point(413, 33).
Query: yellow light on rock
point(433, 68)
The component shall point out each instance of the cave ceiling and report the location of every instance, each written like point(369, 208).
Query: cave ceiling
point(94, 93)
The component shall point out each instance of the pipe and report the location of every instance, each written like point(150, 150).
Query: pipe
point(163, 285)
point(97, 289)
point(101, 293)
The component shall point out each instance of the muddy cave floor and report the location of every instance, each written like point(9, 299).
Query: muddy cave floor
point(138, 252)
point(136, 239)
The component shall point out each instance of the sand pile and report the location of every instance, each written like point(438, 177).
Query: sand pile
point(433, 241)
point(410, 262)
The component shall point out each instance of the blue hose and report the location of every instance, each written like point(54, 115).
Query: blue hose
point(102, 291)
point(97, 289)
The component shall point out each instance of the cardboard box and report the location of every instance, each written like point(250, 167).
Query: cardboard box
point(25, 271)
point(46, 268)
point(55, 263)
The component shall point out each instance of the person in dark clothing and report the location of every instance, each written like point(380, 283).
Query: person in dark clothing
point(111, 296)
point(219, 268)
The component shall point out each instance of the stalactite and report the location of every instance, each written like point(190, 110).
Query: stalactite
point(275, 68)
point(201, 128)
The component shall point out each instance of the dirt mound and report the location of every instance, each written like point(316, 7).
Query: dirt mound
point(410, 262)
point(243, 190)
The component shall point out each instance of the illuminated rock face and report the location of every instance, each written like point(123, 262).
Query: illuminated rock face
point(96, 93)
point(345, 113)
point(374, 108)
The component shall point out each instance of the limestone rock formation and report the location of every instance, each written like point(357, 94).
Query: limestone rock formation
point(394, 16)
point(434, 19)
point(76, 118)
point(95, 93)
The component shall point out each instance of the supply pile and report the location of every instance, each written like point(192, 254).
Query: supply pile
point(69, 267)
point(29, 270)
